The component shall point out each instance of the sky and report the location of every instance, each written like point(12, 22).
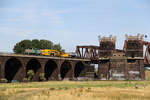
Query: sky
point(72, 22)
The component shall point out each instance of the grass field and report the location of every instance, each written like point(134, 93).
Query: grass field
point(71, 90)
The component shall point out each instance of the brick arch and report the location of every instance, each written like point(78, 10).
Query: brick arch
point(79, 69)
point(51, 70)
point(13, 68)
point(35, 65)
point(66, 70)
point(0, 70)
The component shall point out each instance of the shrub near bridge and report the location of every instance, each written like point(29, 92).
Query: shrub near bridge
point(41, 77)
point(30, 75)
point(3, 80)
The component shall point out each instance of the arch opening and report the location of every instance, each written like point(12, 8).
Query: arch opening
point(79, 70)
point(0, 71)
point(66, 70)
point(12, 67)
point(51, 70)
point(34, 65)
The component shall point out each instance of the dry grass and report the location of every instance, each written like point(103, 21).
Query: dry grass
point(97, 90)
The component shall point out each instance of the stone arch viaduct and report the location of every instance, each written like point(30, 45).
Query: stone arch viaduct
point(15, 67)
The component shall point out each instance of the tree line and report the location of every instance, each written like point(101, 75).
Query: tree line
point(35, 43)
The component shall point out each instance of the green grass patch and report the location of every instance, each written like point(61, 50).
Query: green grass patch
point(119, 84)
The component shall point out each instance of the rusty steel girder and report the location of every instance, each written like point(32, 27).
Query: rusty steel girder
point(88, 52)
point(147, 53)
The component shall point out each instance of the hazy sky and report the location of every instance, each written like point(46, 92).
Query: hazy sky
point(71, 22)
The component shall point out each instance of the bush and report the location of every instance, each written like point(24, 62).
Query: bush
point(52, 89)
point(41, 77)
point(3, 80)
point(30, 74)
point(25, 80)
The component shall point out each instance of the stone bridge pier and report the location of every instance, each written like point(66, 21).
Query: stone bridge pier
point(16, 68)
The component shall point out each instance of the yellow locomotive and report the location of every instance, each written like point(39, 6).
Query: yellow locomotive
point(55, 53)
point(46, 52)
